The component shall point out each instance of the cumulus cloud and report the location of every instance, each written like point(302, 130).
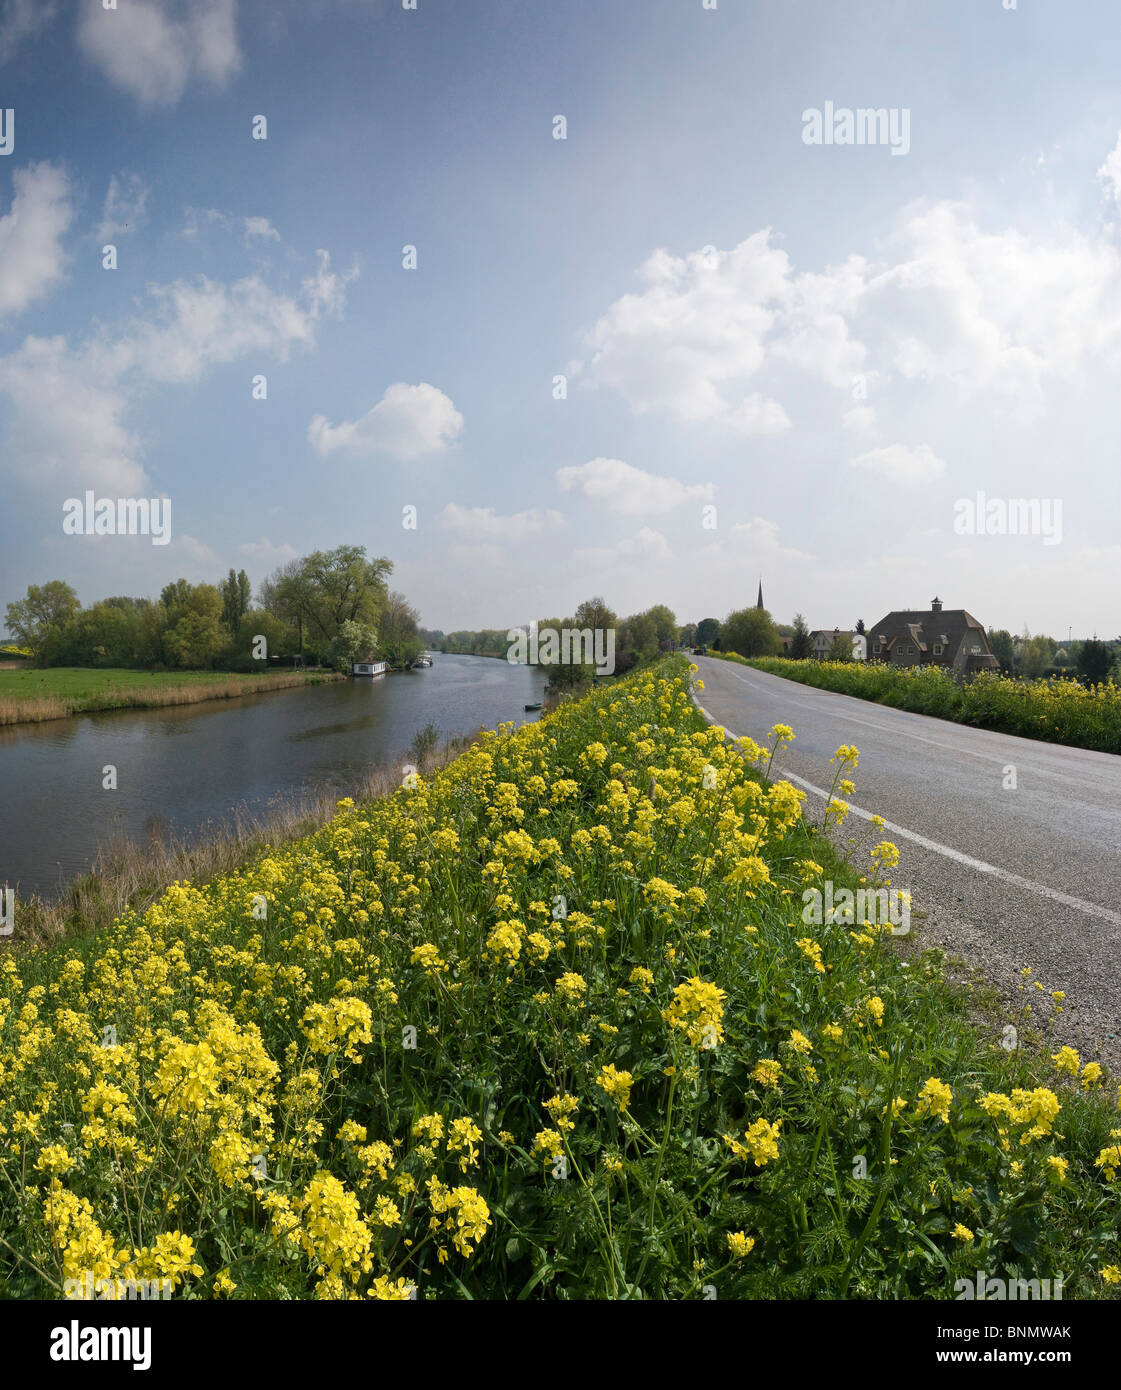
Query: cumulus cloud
point(706, 323)
point(899, 463)
point(124, 209)
point(70, 403)
point(628, 490)
point(407, 423)
point(948, 302)
point(755, 414)
point(484, 524)
point(31, 256)
point(152, 49)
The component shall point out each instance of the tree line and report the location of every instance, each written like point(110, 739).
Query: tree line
point(329, 608)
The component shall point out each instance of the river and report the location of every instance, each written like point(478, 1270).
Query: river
point(186, 768)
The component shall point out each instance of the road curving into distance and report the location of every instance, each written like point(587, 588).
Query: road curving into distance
point(1009, 877)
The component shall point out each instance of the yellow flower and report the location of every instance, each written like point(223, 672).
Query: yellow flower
point(617, 1084)
point(739, 1244)
point(762, 1142)
point(1067, 1060)
point(1058, 1166)
point(1111, 1274)
point(962, 1233)
point(934, 1099)
point(767, 1072)
point(1091, 1075)
point(697, 1009)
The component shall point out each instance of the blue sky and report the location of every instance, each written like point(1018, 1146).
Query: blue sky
point(832, 346)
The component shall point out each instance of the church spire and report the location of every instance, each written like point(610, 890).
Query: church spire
point(759, 602)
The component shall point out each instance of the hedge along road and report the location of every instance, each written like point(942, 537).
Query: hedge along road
point(1008, 876)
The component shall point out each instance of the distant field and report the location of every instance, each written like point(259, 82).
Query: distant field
point(34, 695)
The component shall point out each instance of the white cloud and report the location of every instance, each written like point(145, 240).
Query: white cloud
point(408, 422)
point(755, 414)
point(264, 556)
point(152, 49)
point(628, 490)
point(900, 463)
point(23, 19)
point(67, 421)
point(646, 547)
point(705, 325)
point(947, 302)
point(252, 228)
point(861, 419)
point(484, 524)
point(260, 227)
point(1110, 173)
point(70, 403)
point(124, 208)
point(31, 255)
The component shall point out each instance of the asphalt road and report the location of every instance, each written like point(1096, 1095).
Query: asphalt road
point(1007, 878)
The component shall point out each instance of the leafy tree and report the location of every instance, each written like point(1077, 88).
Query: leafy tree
point(341, 586)
point(859, 629)
point(1036, 653)
point(195, 639)
point(351, 642)
point(708, 630)
point(236, 597)
point(41, 618)
point(1003, 648)
point(399, 640)
point(750, 632)
point(594, 613)
point(688, 635)
point(801, 644)
point(665, 626)
point(1095, 661)
point(840, 649)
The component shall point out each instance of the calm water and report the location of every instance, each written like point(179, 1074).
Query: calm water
point(184, 768)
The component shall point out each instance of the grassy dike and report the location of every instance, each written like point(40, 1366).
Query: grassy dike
point(35, 694)
point(1055, 710)
point(547, 1024)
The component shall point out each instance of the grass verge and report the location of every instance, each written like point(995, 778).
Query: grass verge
point(34, 695)
point(1055, 710)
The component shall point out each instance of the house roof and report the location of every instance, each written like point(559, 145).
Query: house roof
point(945, 625)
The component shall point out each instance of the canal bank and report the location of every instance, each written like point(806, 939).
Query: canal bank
point(79, 786)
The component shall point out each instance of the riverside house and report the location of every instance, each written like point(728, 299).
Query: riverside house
point(948, 637)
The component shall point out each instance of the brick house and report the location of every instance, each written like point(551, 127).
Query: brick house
point(948, 637)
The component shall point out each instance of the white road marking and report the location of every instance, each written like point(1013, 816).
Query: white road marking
point(978, 865)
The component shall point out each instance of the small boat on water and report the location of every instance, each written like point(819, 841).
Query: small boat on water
point(536, 706)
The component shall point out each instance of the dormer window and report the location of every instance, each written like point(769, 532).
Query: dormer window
point(938, 649)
